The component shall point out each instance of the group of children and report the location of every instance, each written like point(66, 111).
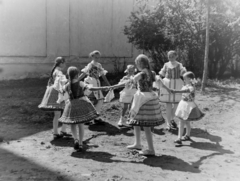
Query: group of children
point(81, 101)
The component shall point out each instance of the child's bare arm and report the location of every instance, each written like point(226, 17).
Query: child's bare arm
point(117, 86)
point(98, 88)
point(179, 91)
point(82, 76)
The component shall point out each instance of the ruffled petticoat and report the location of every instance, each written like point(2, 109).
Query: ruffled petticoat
point(78, 111)
point(49, 101)
point(188, 111)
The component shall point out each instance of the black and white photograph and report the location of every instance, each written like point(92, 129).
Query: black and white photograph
point(119, 90)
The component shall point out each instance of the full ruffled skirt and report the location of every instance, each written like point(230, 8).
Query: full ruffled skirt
point(149, 115)
point(172, 84)
point(188, 111)
point(49, 101)
point(78, 111)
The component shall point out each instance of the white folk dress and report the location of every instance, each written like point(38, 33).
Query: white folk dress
point(187, 108)
point(126, 95)
point(172, 80)
point(94, 72)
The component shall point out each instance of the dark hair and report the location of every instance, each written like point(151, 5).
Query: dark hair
point(72, 72)
point(144, 62)
point(58, 61)
point(189, 75)
point(95, 52)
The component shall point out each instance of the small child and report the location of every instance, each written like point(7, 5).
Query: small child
point(60, 81)
point(126, 95)
point(50, 98)
point(187, 109)
point(94, 71)
point(78, 108)
point(145, 110)
point(171, 71)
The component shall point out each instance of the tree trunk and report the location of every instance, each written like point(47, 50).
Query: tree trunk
point(205, 70)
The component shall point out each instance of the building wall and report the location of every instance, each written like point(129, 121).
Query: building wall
point(34, 32)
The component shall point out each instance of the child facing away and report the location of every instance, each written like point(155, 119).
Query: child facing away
point(171, 72)
point(49, 101)
point(126, 95)
point(78, 109)
point(94, 71)
point(187, 109)
point(145, 110)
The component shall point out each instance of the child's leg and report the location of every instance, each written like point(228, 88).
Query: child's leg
point(75, 137)
point(172, 122)
point(181, 128)
point(174, 108)
point(148, 134)
point(98, 106)
point(74, 131)
point(188, 128)
point(64, 128)
point(137, 144)
point(57, 115)
point(168, 114)
point(81, 133)
point(121, 120)
point(125, 108)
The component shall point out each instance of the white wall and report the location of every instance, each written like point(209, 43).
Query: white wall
point(34, 32)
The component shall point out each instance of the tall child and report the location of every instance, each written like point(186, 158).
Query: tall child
point(187, 109)
point(172, 71)
point(94, 71)
point(126, 95)
point(145, 110)
point(49, 101)
point(78, 109)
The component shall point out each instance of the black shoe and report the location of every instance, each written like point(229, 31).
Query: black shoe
point(65, 134)
point(178, 141)
point(99, 121)
point(88, 123)
point(76, 145)
point(173, 125)
point(57, 136)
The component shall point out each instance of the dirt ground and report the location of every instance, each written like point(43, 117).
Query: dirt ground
point(27, 152)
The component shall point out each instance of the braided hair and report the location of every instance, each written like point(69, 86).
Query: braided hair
point(72, 72)
point(58, 61)
point(144, 63)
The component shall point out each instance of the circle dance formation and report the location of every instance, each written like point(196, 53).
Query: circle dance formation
point(76, 102)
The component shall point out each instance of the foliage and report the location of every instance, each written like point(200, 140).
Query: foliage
point(180, 25)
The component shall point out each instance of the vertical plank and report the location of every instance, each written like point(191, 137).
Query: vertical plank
point(23, 28)
point(58, 27)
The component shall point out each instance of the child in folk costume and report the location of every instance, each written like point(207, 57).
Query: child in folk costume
point(94, 71)
point(49, 101)
point(78, 109)
point(187, 109)
point(145, 110)
point(126, 95)
point(172, 71)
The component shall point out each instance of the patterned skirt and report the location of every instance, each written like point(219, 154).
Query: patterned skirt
point(172, 84)
point(49, 101)
point(149, 115)
point(188, 111)
point(78, 111)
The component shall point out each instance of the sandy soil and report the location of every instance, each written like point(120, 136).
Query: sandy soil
point(27, 152)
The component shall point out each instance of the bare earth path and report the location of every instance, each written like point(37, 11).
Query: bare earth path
point(27, 151)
